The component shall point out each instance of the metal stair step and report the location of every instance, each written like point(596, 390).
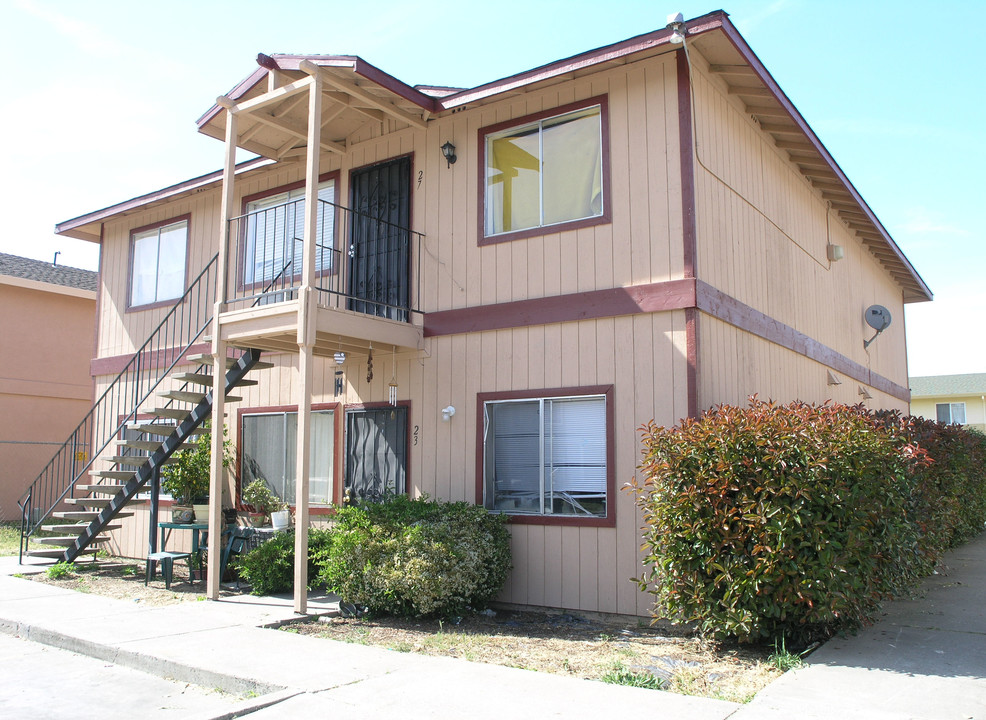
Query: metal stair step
point(192, 397)
point(132, 460)
point(78, 527)
point(207, 359)
point(106, 488)
point(84, 515)
point(113, 474)
point(163, 430)
point(66, 540)
point(142, 444)
point(206, 380)
point(167, 412)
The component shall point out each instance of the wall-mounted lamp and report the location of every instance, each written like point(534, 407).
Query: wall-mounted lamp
point(834, 252)
point(676, 24)
point(447, 413)
point(448, 150)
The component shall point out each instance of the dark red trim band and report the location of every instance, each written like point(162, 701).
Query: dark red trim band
point(730, 310)
point(655, 297)
point(689, 228)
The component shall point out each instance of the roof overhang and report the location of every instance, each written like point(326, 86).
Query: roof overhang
point(272, 103)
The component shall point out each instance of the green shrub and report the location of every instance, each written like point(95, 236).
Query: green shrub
point(416, 557)
point(59, 571)
point(777, 521)
point(269, 568)
point(949, 501)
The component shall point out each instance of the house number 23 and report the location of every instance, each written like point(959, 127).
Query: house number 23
point(415, 434)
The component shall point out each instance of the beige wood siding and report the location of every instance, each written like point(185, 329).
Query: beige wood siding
point(762, 236)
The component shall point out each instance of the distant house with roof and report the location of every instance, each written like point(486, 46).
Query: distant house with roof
point(951, 398)
point(47, 327)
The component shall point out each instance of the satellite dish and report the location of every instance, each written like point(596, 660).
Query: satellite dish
point(878, 318)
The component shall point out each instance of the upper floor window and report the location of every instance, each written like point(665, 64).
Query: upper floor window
point(951, 412)
point(545, 171)
point(275, 229)
point(157, 271)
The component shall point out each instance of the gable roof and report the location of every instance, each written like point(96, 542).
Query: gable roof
point(41, 271)
point(941, 385)
point(361, 93)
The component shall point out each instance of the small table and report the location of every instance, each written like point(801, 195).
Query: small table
point(199, 531)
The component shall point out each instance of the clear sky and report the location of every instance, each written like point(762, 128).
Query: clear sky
point(101, 96)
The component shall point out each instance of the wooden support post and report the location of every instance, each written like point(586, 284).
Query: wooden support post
point(306, 346)
point(216, 473)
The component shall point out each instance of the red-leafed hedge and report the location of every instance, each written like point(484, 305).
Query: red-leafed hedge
point(796, 520)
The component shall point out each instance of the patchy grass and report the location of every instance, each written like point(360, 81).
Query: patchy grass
point(565, 644)
point(10, 537)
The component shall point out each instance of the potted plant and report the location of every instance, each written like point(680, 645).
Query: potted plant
point(186, 478)
point(265, 503)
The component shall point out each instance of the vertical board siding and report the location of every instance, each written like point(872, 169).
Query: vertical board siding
point(763, 231)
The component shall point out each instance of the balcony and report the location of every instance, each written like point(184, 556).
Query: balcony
point(366, 286)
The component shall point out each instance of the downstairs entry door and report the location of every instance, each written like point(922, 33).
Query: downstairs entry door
point(376, 453)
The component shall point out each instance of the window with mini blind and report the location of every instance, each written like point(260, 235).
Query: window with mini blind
point(545, 172)
point(157, 262)
point(548, 456)
point(275, 230)
point(951, 412)
point(268, 444)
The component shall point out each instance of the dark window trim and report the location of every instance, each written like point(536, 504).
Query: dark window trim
point(608, 392)
point(272, 410)
point(607, 216)
point(187, 218)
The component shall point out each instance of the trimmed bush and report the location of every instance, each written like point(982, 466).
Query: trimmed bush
point(269, 568)
point(416, 557)
point(777, 521)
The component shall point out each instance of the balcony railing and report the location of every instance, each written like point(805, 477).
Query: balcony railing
point(362, 263)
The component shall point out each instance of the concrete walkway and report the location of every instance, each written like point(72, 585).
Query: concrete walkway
point(925, 658)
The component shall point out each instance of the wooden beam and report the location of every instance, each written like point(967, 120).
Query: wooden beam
point(743, 70)
point(794, 145)
point(827, 184)
point(750, 91)
point(268, 98)
point(346, 100)
point(814, 165)
point(354, 90)
point(295, 129)
point(777, 112)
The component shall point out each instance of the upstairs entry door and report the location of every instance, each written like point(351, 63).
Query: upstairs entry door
point(379, 240)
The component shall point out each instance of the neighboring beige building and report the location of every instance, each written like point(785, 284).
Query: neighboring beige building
point(951, 399)
point(625, 235)
point(47, 334)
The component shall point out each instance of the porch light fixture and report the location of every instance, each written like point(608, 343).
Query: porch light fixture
point(448, 150)
point(676, 24)
point(447, 413)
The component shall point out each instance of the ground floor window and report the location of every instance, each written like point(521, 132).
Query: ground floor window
point(951, 412)
point(268, 443)
point(376, 453)
point(547, 455)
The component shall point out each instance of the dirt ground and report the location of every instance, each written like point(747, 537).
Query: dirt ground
point(631, 653)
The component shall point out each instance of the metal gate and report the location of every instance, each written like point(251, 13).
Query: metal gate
point(376, 453)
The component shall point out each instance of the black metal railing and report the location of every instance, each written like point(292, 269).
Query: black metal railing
point(120, 403)
point(362, 263)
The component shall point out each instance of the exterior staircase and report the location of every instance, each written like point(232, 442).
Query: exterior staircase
point(148, 413)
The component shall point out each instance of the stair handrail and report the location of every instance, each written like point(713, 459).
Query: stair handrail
point(57, 480)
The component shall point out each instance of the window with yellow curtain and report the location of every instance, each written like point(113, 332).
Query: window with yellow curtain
point(545, 172)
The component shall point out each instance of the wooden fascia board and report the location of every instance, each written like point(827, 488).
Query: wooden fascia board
point(583, 61)
point(751, 59)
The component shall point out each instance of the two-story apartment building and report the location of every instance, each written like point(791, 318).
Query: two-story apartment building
point(481, 294)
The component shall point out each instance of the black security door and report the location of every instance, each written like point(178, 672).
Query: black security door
point(376, 453)
point(379, 256)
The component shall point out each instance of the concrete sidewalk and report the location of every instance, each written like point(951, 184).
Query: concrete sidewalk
point(925, 658)
point(223, 645)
